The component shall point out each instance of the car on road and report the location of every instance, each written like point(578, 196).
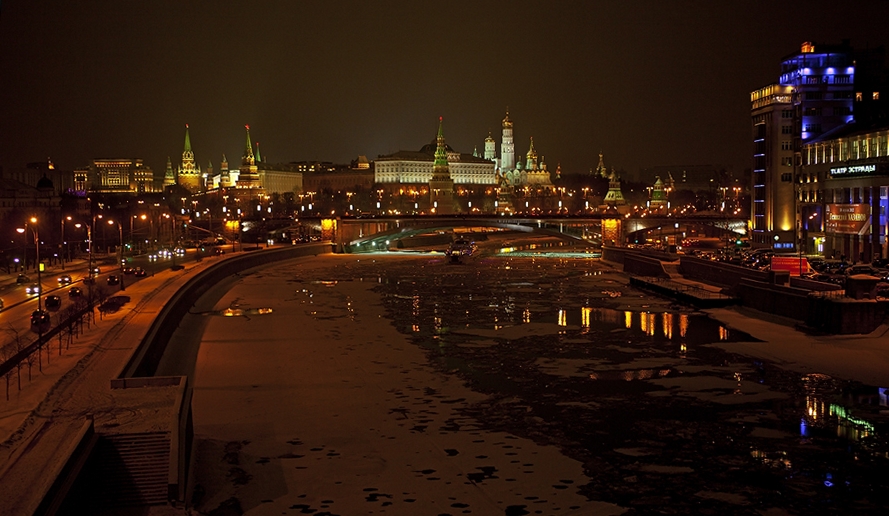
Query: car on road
point(1, 303)
point(75, 292)
point(40, 320)
point(129, 270)
point(52, 302)
point(21, 279)
point(64, 279)
point(219, 251)
point(113, 280)
point(176, 267)
point(32, 289)
point(96, 271)
point(139, 272)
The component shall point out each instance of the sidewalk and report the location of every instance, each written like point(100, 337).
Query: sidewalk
point(38, 426)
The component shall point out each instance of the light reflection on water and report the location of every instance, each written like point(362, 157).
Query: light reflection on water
point(642, 378)
point(496, 324)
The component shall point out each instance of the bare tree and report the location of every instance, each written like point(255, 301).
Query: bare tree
point(6, 353)
point(17, 342)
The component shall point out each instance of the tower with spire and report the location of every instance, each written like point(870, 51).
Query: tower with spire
point(658, 201)
point(225, 180)
point(248, 176)
point(169, 175)
point(189, 173)
point(531, 157)
point(601, 171)
point(614, 200)
point(441, 186)
point(507, 147)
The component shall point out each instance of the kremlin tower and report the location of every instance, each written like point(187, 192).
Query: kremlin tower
point(249, 175)
point(614, 200)
point(189, 174)
point(169, 175)
point(441, 186)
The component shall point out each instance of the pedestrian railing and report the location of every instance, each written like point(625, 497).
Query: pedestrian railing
point(21, 354)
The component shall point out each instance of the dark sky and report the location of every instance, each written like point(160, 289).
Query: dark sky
point(647, 82)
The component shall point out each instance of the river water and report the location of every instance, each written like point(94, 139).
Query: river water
point(562, 353)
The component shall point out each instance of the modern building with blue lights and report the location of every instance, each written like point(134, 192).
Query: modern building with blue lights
point(814, 94)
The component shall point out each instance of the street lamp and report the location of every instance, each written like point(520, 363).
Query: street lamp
point(62, 247)
point(150, 227)
point(78, 225)
point(33, 227)
point(119, 250)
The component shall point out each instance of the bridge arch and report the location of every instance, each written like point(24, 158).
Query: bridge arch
point(400, 229)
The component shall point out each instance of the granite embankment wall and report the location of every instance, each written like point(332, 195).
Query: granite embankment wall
point(809, 302)
point(147, 356)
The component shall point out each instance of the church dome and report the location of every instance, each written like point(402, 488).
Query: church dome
point(44, 183)
point(430, 148)
point(532, 154)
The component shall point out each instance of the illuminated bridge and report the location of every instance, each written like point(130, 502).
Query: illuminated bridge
point(361, 234)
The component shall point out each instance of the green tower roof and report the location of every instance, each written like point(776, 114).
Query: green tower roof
point(441, 152)
point(187, 140)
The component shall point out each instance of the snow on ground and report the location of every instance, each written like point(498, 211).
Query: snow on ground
point(322, 405)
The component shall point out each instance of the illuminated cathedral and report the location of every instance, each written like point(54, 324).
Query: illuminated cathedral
point(512, 172)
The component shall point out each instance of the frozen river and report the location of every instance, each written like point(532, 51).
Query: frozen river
point(400, 384)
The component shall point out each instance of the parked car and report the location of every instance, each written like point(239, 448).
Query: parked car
point(40, 320)
point(52, 302)
point(860, 269)
point(75, 292)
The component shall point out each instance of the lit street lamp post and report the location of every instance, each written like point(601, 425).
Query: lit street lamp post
point(119, 252)
point(33, 227)
point(62, 247)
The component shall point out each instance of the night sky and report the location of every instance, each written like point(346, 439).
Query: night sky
point(648, 83)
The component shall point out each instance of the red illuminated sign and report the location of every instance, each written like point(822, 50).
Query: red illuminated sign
point(847, 218)
point(793, 264)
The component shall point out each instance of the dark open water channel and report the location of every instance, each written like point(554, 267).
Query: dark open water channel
point(627, 384)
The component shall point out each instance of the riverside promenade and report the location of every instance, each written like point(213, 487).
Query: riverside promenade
point(40, 424)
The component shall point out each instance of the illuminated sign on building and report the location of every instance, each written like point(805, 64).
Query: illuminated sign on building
point(853, 170)
point(847, 218)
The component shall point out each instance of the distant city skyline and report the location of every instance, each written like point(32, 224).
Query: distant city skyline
point(647, 84)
